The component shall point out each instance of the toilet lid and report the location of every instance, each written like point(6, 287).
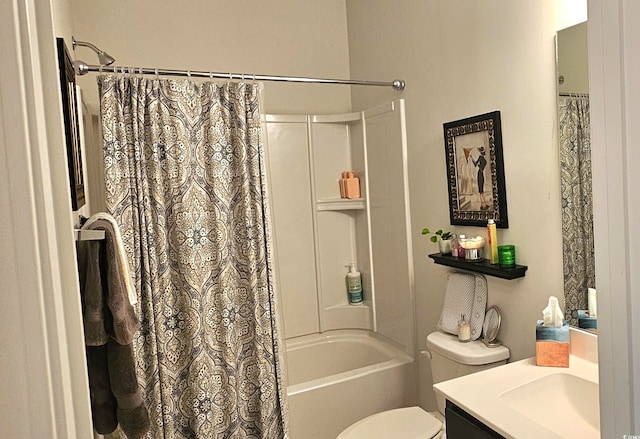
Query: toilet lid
point(404, 423)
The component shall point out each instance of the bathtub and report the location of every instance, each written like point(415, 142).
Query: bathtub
point(338, 377)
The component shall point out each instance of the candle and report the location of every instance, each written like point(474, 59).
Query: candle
point(464, 330)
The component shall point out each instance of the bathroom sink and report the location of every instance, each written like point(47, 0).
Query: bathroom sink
point(567, 403)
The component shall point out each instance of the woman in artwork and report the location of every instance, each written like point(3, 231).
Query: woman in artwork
point(465, 172)
point(481, 163)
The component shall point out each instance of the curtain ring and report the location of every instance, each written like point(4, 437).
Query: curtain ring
point(100, 69)
point(189, 73)
point(157, 75)
point(115, 70)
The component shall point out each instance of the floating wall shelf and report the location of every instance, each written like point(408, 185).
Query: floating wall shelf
point(483, 266)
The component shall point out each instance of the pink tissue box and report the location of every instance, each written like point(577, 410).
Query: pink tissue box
point(552, 345)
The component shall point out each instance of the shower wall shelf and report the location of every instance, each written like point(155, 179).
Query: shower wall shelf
point(483, 267)
point(341, 204)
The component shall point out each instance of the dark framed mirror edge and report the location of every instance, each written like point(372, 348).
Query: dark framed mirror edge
point(71, 124)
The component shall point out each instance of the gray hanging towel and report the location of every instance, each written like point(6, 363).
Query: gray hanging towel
point(110, 325)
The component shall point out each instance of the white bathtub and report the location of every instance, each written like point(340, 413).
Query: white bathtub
point(339, 377)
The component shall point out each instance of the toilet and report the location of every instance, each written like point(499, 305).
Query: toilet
point(449, 359)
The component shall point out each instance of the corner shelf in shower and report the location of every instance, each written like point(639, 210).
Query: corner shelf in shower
point(340, 204)
point(483, 267)
point(348, 316)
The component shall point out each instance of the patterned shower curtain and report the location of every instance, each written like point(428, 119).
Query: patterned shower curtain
point(577, 203)
point(185, 177)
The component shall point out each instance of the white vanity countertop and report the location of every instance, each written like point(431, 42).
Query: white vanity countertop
point(483, 396)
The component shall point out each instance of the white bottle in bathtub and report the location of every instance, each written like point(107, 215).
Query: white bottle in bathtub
point(354, 285)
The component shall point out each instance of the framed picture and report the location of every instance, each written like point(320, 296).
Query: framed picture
point(71, 124)
point(475, 171)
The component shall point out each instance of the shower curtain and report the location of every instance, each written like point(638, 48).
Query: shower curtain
point(577, 203)
point(185, 176)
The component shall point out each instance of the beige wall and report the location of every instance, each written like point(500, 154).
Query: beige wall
point(460, 59)
point(276, 37)
point(617, 330)
point(61, 17)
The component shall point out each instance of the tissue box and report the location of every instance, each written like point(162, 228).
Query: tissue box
point(552, 345)
point(585, 321)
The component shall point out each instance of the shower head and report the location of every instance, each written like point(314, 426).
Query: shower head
point(104, 58)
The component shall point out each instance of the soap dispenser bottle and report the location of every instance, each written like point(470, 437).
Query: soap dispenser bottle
point(354, 285)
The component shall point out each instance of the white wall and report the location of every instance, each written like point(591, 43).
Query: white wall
point(43, 344)
point(614, 68)
point(460, 59)
point(278, 37)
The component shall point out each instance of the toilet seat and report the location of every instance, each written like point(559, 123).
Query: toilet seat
point(403, 423)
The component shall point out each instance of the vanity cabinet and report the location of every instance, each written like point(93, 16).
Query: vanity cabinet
point(461, 425)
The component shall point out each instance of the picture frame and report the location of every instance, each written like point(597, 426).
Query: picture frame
point(475, 171)
point(71, 124)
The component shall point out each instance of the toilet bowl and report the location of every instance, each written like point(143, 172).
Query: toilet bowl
point(449, 359)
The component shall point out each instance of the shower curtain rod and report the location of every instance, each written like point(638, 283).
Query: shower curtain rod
point(82, 69)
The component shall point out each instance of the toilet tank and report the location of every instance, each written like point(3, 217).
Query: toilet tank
point(452, 359)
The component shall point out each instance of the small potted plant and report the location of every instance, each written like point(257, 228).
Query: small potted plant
point(442, 238)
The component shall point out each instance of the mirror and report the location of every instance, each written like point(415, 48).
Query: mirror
point(491, 326)
point(575, 169)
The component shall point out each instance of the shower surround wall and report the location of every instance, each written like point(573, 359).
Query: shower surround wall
point(317, 234)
